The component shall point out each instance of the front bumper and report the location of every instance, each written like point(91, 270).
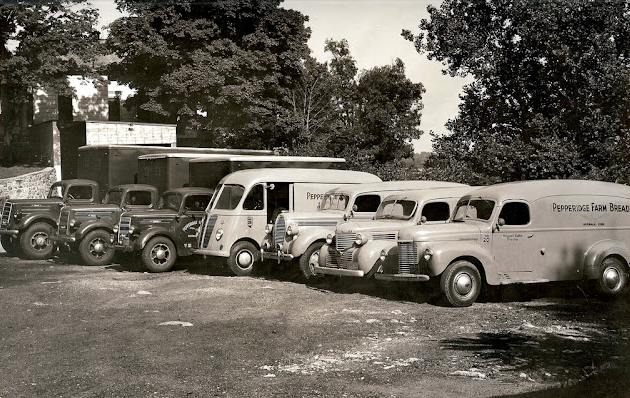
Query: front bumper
point(280, 256)
point(12, 232)
point(212, 253)
point(402, 277)
point(63, 239)
point(338, 271)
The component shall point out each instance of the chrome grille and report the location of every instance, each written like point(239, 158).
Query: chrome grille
point(6, 215)
point(345, 261)
point(123, 228)
point(64, 218)
point(344, 241)
point(208, 231)
point(331, 260)
point(385, 236)
point(279, 229)
point(407, 257)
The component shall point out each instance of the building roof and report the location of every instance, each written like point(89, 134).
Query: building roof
point(330, 176)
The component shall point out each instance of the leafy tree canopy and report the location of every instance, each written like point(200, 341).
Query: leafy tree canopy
point(551, 91)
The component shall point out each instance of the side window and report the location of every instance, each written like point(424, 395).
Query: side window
point(196, 202)
point(515, 213)
point(255, 199)
point(80, 192)
point(367, 203)
point(436, 211)
point(139, 198)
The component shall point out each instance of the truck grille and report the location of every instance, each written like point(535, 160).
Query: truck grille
point(385, 236)
point(64, 218)
point(6, 215)
point(207, 232)
point(407, 257)
point(279, 229)
point(123, 228)
point(345, 261)
point(344, 241)
point(331, 260)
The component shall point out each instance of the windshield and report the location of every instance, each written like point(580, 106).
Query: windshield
point(56, 191)
point(473, 209)
point(171, 201)
point(114, 198)
point(335, 201)
point(398, 209)
point(230, 197)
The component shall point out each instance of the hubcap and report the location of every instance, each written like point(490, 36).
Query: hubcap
point(244, 259)
point(463, 284)
point(97, 247)
point(611, 278)
point(160, 254)
point(313, 260)
point(39, 241)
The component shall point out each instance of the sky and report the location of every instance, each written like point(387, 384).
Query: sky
point(372, 29)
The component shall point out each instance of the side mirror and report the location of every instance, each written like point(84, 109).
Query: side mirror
point(271, 187)
point(500, 223)
point(423, 219)
point(355, 208)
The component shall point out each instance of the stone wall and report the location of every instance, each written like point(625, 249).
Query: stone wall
point(33, 185)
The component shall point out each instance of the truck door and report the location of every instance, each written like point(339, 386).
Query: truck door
point(278, 200)
point(515, 246)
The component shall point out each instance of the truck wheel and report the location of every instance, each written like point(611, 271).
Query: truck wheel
point(159, 255)
point(10, 245)
point(93, 248)
point(242, 258)
point(460, 284)
point(613, 277)
point(309, 259)
point(35, 241)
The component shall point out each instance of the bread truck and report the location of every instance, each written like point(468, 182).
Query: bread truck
point(300, 235)
point(518, 233)
point(354, 249)
point(86, 229)
point(246, 201)
point(163, 235)
point(27, 224)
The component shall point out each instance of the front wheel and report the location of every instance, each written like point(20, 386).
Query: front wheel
point(310, 259)
point(242, 258)
point(93, 248)
point(460, 284)
point(10, 245)
point(159, 255)
point(35, 241)
point(613, 277)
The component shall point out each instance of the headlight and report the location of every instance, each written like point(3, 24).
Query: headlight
point(329, 239)
point(72, 222)
point(132, 229)
point(292, 230)
point(427, 254)
point(267, 229)
point(219, 234)
point(266, 246)
point(115, 229)
point(361, 239)
point(383, 255)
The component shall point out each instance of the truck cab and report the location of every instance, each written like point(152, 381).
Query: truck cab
point(26, 225)
point(87, 228)
point(164, 234)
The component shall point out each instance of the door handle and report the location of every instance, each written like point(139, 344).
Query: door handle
point(530, 235)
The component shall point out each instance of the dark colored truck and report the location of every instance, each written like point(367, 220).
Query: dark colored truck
point(164, 234)
point(26, 225)
point(86, 229)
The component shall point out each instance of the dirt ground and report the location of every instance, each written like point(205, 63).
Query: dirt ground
point(68, 330)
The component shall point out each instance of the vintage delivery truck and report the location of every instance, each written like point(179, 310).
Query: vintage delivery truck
point(246, 201)
point(300, 235)
point(86, 229)
point(163, 235)
point(27, 224)
point(521, 232)
point(355, 247)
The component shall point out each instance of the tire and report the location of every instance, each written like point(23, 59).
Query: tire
point(93, 248)
point(159, 255)
point(10, 245)
point(460, 284)
point(35, 242)
point(242, 259)
point(613, 277)
point(309, 259)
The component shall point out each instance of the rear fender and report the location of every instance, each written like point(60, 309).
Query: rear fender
point(599, 251)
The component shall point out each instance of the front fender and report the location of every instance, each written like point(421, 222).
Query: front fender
point(445, 253)
point(150, 233)
point(90, 226)
point(307, 237)
point(26, 221)
point(323, 255)
point(369, 254)
point(599, 251)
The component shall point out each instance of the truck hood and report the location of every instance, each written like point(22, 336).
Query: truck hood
point(370, 226)
point(316, 218)
point(454, 231)
point(150, 217)
point(45, 202)
point(94, 207)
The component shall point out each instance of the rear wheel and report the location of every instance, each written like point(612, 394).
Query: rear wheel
point(94, 249)
point(35, 241)
point(10, 245)
point(310, 259)
point(159, 255)
point(613, 277)
point(242, 258)
point(460, 284)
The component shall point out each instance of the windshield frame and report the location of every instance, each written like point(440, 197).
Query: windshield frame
point(467, 201)
point(57, 185)
point(217, 197)
point(389, 216)
point(120, 201)
point(338, 195)
point(175, 194)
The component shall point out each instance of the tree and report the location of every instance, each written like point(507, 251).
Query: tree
point(222, 67)
point(41, 44)
point(550, 96)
